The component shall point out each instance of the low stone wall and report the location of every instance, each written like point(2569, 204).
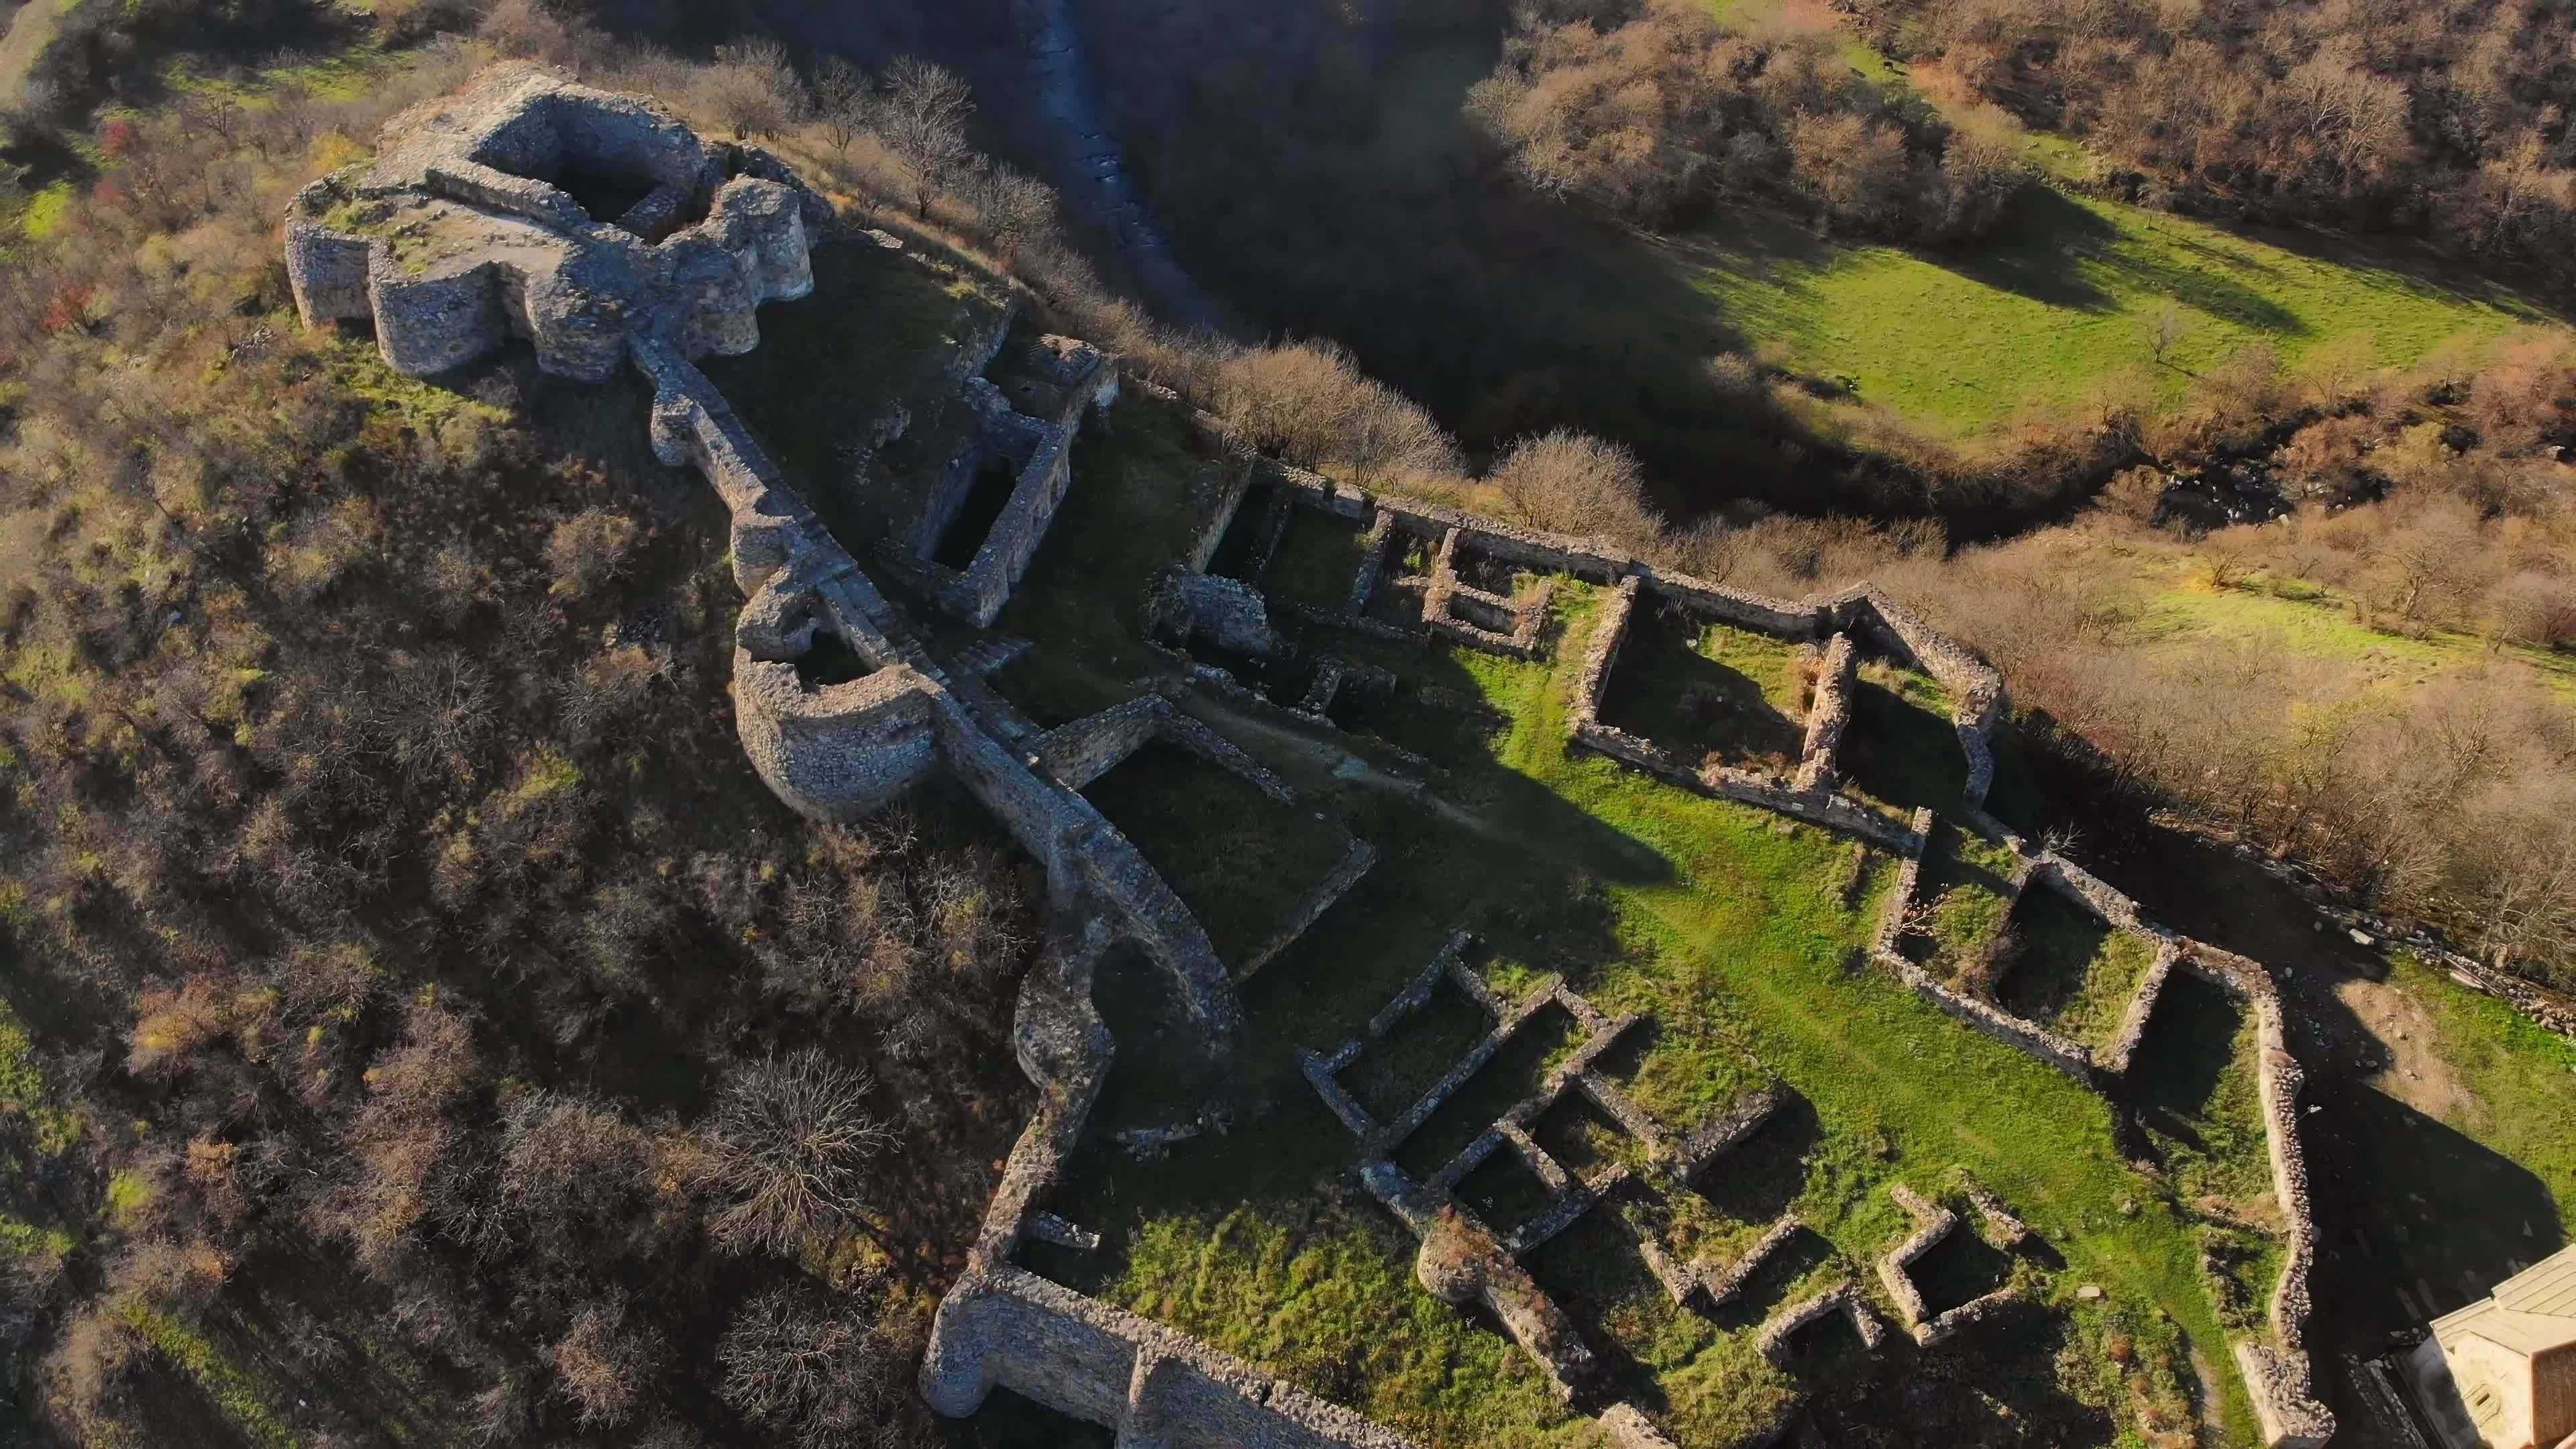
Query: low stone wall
point(1355, 863)
point(1784, 1325)
point(2069, 1057)
point(1975, 687)
point(1234, 485)
point(1933, 1223)
point(1829, 715)
point(1817, 807)
point(1008, 1327)
point(2277, 1374)
point(1780, 617)
point(2114, 1058)
point(1013, 541)
point(1078, 753)
point(1601, 654)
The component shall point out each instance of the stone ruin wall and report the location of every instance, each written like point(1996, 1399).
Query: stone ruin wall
point(1817, 803)
point(2072, 1058)
point(1980, 705)
point(1829, 716)
point(541, 270)
point(1081, 381)
point(2278, 1374)
point(1010, 1328)
point(843, 749)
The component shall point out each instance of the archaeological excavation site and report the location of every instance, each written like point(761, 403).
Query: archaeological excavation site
point(1493, 990)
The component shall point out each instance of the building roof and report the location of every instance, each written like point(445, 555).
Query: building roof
point(2530, 1313)
point(2547, 1287)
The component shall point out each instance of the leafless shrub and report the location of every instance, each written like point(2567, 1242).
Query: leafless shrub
point(588, 549)
point(822, 1377)
point(1569, 482)
point(753, 87)
point(791, 1139)
point(606, 1364)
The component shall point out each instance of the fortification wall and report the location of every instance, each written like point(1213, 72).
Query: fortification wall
point(841, 753)
point(325, 269)
point(491, 248)
point(428, 324)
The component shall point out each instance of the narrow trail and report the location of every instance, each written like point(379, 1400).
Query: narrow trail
point(1092, 169)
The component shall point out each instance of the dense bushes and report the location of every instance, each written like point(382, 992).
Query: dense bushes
point(2446, 120)
point(1647, 111)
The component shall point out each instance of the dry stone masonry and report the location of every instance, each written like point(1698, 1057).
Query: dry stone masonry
point(466, 232)
point(1932, 1223)
point(601, 231)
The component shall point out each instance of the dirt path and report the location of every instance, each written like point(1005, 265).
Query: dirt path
point(2403, 1030)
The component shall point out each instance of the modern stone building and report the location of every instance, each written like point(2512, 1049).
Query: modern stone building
point(2501, 1373)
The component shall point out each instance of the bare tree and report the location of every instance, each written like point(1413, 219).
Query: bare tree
point(819, 1375)
point(1575, 483)
point(2166, 331)
point(921, 116)
point(790, 1138)
point(841, 103)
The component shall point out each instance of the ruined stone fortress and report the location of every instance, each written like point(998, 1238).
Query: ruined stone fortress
point(601, 231)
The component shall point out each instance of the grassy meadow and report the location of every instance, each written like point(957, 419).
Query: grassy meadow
point(2068, 296)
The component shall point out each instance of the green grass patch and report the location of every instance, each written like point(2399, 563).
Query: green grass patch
point(1317, 559)
point(128, 1194)
point(2478, 1181)
point(2193, 1090)
point(2521, 1079)
point(1514, 1073)
point(1240, 860)
point(1962, 897)
point(1324, 1295)
point(233, 1392)
point(1393, 1072)
point(1901, 749)
point(1739, 931)
point(45, 209)
point(1705, 688)
point(2070, 972)
point(1709, 1385)
point(2064, 296)
point(28, 1242)
point(23, 1089)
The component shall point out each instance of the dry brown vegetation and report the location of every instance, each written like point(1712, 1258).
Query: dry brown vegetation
point(2447, 120)
point(1648, 109)
point(2433, 509)
point(377, 845)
